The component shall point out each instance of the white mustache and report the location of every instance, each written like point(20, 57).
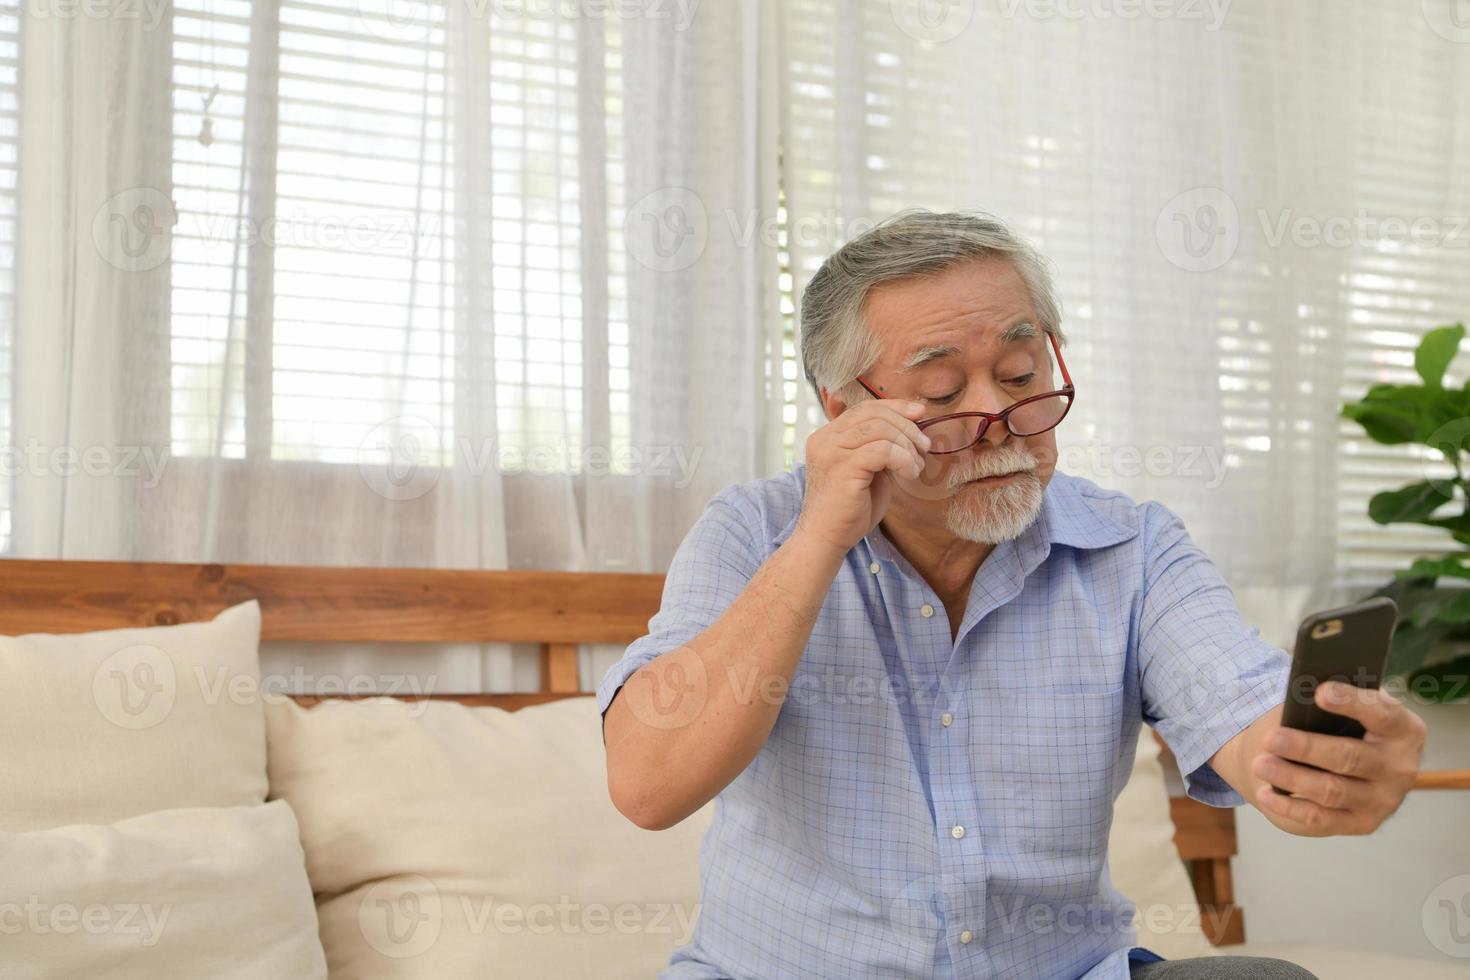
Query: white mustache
point(1004, 460)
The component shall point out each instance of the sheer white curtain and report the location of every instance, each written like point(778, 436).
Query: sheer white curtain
point(1175, 169)
point(492, 285)
point(337, 283)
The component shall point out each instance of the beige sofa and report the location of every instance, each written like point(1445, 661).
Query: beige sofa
point(208, 828)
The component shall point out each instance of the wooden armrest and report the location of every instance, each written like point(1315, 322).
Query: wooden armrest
point(1443, 779)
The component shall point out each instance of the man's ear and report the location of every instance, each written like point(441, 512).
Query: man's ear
point(832, 405)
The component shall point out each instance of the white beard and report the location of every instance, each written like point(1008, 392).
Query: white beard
point(990, 515)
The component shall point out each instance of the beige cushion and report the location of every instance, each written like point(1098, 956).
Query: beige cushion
point(445, 841)
point(1337, 963)
point(1144, 863)
point(98, 727)
point(215, 892)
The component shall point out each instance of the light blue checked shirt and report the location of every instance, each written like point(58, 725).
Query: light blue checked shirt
point(928, 807)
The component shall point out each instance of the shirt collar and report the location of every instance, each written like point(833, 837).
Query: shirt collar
point(1068, 517)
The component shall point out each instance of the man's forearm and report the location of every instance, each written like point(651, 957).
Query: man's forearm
point(688, 722)
point(1233, 761)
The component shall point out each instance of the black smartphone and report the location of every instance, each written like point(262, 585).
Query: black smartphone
point(1349, 644)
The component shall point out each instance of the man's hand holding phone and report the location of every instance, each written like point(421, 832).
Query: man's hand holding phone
point(1341, 785)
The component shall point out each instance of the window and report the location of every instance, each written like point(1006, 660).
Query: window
point(391, 224)
point(1275, 339)
point(1404, 277)
point(336, 173)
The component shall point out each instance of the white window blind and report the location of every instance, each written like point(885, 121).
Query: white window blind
point(342, 144)
point(876, 126)
point(1078, 130)
point(212, 49)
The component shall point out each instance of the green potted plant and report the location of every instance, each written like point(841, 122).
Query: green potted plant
point(1431, 644)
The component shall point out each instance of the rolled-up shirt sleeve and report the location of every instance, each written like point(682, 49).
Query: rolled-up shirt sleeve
point(1205, 675)
point(714, 562)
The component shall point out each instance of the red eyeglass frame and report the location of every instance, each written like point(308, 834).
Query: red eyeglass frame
point(1068, 390)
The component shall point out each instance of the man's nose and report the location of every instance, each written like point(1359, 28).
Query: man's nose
point(994, 400)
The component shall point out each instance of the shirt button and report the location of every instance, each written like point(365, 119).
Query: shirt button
point(946, 719)
point(966, 936)
point(873, 568)
point(926, 610)
point(957, 831)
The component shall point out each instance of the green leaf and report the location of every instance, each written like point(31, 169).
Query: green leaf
point(1415, 502)
point(1390, 425)
point(1431, 569)
point(1435, 352)
point(1457, 608)
point(1413, 596)
point(1458, 525)
point(1442, 682)
point(1412, 646)
point(1427, 613)
point(1431, 640)
point(1395, 414)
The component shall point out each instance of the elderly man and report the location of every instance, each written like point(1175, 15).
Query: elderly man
point(914, 670)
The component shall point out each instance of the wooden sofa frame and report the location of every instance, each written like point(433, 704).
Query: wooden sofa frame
point(557, 610)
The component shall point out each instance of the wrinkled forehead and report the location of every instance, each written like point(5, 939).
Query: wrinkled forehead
point(1020, 330)
point(981, 307)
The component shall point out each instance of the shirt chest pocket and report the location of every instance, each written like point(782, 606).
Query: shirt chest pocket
point(1062, 749)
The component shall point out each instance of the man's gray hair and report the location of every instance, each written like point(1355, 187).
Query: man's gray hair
point(836, 344)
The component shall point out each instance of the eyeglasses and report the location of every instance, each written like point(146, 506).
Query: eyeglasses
point(1027, 417)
